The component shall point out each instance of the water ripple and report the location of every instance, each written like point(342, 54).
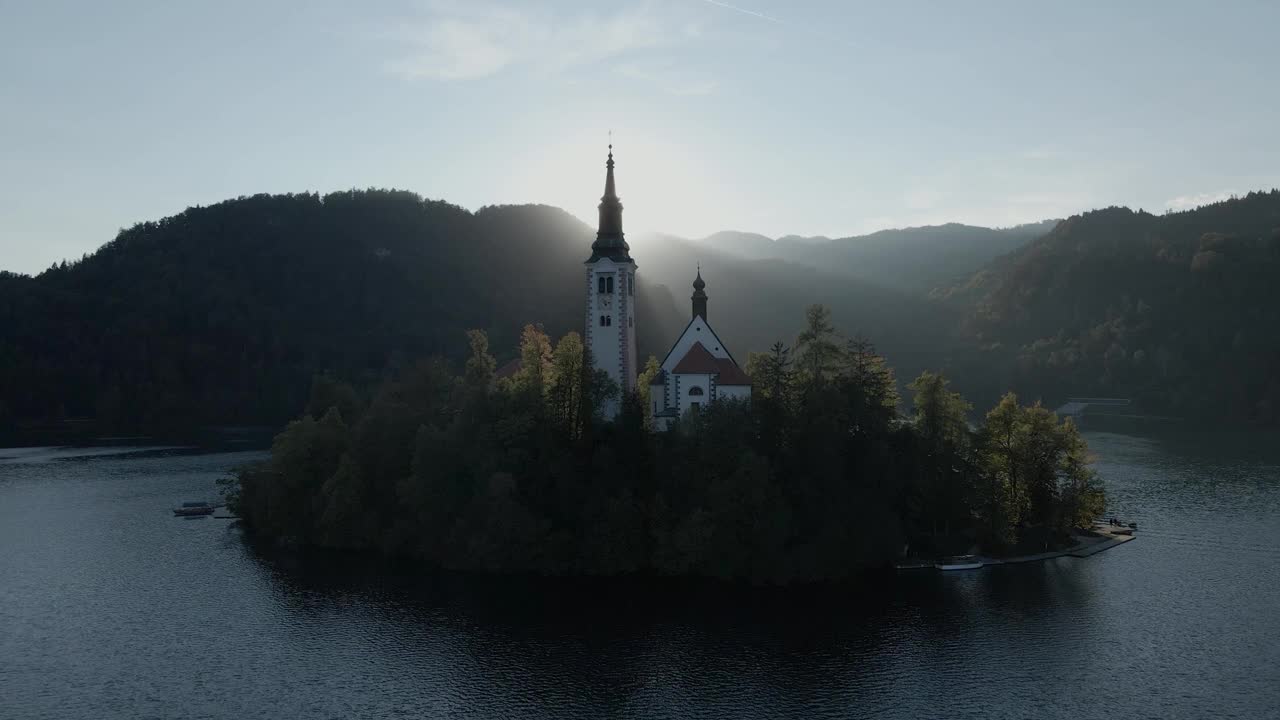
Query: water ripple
point(111, 608)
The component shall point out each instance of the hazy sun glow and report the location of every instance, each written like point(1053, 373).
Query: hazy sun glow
point(664, 185)
point(808, 118)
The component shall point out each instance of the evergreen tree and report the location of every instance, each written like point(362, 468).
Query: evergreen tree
point(941, 415)
point(770, 373)
point(818, 352)
point(800, 484)
point(943, 496)
point(480, 365)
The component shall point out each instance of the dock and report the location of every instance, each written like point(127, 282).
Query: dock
point(1076, 407)
point(1088, 544)
point(1107, 544)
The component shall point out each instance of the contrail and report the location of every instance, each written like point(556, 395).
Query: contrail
point(744, 11)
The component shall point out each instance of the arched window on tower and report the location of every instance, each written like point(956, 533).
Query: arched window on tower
point(601, 321)
point(695, 391)
point(608, 284)
point(608, 320)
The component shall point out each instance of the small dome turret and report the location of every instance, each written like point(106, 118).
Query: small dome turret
point(699, 296)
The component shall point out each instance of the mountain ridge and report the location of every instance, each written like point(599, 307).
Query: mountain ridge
point(223, 313)
point(1172, 310)
point(916, 259)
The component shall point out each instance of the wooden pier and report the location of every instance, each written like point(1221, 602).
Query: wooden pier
point(1075, 407)
point(1111, 541)
point(1089, 543)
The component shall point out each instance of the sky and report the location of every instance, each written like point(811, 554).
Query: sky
point(771, 116)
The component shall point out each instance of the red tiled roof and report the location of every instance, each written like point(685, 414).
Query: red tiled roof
point(508, 370)
point(730, 373)
point(699, 361)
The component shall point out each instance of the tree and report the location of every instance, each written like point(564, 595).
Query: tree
point(329, 392)
point(525, 476)
point(771, 373)
point(1039, 486)
point(817, 347)
point(599, 388)
point(869, 369)
point(281, 497)
point(1083, 497)
point(480, 366)
point(643, 381)
point(1043, 446)
point(872, 383)
point(535, 360)
point(943, 497)
point(565, 391)
point(346, 521)
point(1002, 498)
point(941, 415)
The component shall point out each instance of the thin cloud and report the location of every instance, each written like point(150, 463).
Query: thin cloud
point(1041, 154)
point(742, 10)
point(827, 34)
point(922, 198)
point(459, 41)
point(669, 79)
point(1187, 202)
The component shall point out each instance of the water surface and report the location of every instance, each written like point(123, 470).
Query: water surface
point(112, 608)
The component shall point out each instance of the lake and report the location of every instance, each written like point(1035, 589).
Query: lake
point(112, 608)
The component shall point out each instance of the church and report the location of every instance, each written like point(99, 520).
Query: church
point(697, 370)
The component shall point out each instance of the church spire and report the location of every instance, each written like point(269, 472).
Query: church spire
point(610, 192)
point(699, 296)
point(610, 242)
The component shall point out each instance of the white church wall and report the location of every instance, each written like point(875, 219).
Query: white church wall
point(612, 343)
point(726, 392)
point(625, 320)
point(685, 383)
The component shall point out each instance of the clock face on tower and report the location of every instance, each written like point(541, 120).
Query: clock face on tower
point(605, 301)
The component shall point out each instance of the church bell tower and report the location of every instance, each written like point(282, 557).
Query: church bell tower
point(611, 277)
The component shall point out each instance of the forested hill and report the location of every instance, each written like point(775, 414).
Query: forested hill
point(222, 314)
point(1179, 311)
point(910, 259)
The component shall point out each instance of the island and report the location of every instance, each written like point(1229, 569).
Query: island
point(573, 460)
point(818, 477)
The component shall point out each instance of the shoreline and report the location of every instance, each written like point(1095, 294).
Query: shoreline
point(1089, 543)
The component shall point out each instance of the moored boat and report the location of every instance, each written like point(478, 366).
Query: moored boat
point(959, 562)
point(194, 509)
point(1114, 526)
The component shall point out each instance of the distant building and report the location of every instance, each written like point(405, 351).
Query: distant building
point(697, 370)
point(611, 289)
point(508, 370)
